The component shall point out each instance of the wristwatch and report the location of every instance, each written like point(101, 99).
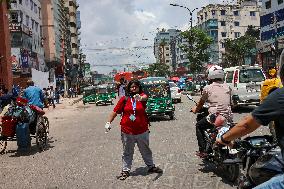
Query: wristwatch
point(225, 141)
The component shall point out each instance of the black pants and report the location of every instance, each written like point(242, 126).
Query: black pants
point(201, 126)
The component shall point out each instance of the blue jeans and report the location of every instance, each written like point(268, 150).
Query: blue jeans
point(276, 182)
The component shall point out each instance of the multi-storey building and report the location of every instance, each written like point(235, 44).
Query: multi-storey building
point(271, 32)
point(165, 47)
point(26, 38)
point(230, 21)
point(5, 48)
point(72, 7)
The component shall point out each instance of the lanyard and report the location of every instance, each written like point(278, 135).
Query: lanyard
point(133, 105)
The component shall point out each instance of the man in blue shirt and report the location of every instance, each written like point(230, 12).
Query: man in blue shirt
point(34, 94)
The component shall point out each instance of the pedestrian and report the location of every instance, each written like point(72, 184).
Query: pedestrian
point(45, 99)
point(121, 88)
point(57, 95)
point(75, 91)
point(134, 128)
point(51, 96)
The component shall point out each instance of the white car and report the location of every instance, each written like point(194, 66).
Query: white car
point(175, 92)
point(245, 82)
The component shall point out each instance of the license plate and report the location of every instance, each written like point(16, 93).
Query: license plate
point(253, 88)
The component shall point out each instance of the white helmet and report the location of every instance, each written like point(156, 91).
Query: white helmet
point(215, 72)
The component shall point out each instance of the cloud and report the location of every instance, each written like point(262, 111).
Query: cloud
point(110, 25)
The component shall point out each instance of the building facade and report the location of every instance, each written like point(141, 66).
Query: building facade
point(227, 22)
point(271, 32)
point(5, 48)
point(26, 39)
point(165, 44)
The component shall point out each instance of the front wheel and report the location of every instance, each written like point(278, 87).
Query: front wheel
point(232, 172)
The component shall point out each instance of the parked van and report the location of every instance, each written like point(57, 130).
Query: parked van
point(245, 82)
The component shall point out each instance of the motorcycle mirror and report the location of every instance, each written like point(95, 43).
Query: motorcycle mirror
point(190, 98)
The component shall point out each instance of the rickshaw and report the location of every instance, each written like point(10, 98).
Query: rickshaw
point(104, 96)
point(159, 97)
point(89, 94)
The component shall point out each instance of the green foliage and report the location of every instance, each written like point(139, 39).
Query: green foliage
point(236, 50)
point(253, 32)
point(159, 70)
point(196, 51)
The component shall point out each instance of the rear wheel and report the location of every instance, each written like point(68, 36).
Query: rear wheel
point(171, 116)
point(46, 124)
point(41, 134)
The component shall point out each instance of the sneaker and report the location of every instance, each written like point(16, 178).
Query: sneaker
point(155, 170)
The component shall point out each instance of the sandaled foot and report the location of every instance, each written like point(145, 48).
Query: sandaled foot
point(123, 175)
point(155, 170)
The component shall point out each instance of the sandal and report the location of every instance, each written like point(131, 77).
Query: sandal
point(124, 175)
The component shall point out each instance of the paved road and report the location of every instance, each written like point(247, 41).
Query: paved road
point(81, 155)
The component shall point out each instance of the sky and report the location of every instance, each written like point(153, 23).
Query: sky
point(118, 34)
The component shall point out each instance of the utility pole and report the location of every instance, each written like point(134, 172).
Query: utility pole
point(6, 77)
point(275, 26)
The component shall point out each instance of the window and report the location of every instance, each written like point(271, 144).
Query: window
point(223, 23)
point(14, 17)
point(39, 13)
point(224, 34)
point(223, 12)
point(237, 23)
point(237, 34)
point(32, 4)
point(167, 48)
point(20, 2)
point(21, 17)
point(27, 20)
point(33, 23)
point(213, 12)
point(252, 13)
point(268, 4)
point(167, 60)
point(229, 77)
point(236, 13)
point(248, 75)
point(280, 2)
point(222, 45)
point(36, 26)
point(167, 54)
point(35, 8)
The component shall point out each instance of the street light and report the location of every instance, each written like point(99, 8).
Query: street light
point(190, 11)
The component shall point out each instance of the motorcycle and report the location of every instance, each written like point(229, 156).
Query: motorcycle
point(22, 121)
point(221, 156)
point(260, 158)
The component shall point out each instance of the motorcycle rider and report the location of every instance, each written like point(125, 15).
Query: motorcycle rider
point(218, 97)
point(272, 109)
point(33, 94)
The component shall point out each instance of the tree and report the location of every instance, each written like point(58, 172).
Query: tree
point(253, 32)
point(197, 48)
point(236, 50)
point(159, 70)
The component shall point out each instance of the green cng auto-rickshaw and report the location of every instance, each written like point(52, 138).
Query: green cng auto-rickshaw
point(159, 96)
point(89, 94)
point(104, 95)
point(112, 90)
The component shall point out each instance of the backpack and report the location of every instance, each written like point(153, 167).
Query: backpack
point(124, 103)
